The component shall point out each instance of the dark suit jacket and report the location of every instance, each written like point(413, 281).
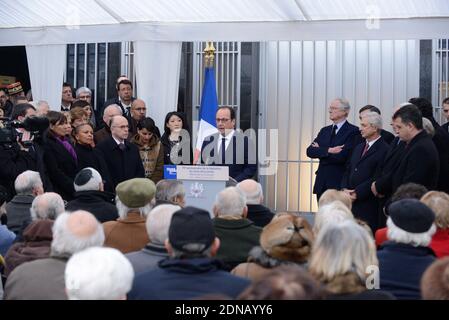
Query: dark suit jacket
point(445, 127)
point(420, 163)
point(391, 162)
point(259, 214)
point(122, 165)
point(359, 175)
point(332, 166)
point(242, 165)
point(61, 167)
point(441, 141)
point(108, 102)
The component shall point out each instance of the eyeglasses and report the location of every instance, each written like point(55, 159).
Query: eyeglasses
point(141, 109)
point(121, 127)
point(222, 120)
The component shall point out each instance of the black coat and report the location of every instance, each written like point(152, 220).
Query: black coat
point(242, 165)
point(100, 204)
point(94, 158)
point(14, 161)
point(122, 165)
point(420, 163)
point(259, 214)
point(61, 167)
point(359, 175)
point(441, 141)
point(184, 145)
point(332, 166)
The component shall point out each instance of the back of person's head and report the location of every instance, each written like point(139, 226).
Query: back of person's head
point(424, 105)
point(28, 183)
point(410, 222)
point(79, 104)
point(158, 222)
point(98, 274)
point(371, 108)
point(135, 195)
point(230, 203)
point(288, 238)
point(428, 127)
point(331, 195)
point(284, 283)
point(88, 179)
point(435, 281)
point(252, 190)
point(76, 231)
point(341, 249)
point(170, 191)
point(191, 234)
point(334, 212)
point(407, 191)
point(438, 202)
point(48, 205)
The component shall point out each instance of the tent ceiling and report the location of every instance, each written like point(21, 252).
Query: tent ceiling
point(53, 21)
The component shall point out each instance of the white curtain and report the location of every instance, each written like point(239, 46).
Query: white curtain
point(157, 66)
point(46, 64)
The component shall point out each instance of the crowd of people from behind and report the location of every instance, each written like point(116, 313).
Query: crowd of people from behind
point(89, 215)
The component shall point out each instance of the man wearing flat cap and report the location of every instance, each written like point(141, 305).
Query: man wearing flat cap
point(134, 202)
point(190, 271)
point(404, 258)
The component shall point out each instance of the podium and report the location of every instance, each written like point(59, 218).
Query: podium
point(201, 183)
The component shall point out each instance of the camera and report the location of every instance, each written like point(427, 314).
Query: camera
point(9, 135)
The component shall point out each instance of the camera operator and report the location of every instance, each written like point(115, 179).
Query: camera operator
point(25, 153)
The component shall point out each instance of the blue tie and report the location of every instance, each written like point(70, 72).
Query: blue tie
point(223, 150)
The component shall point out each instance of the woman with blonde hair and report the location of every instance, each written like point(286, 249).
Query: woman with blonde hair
point(343, 256)
point(439, 203)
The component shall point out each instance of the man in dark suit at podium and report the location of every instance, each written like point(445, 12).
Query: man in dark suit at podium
point(333, 147)
point(239, 150)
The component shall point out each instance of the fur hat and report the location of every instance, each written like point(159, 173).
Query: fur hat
point(435, 281)
point(287, 237)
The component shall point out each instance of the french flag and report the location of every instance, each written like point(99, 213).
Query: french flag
point(208, 109)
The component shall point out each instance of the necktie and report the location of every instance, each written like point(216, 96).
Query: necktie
point(121, 146)
point(223, 150)
point(365, 150)
point(333, 133)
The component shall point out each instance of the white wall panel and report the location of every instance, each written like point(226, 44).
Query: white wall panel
point(297, 82)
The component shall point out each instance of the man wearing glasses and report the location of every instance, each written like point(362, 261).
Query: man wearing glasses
point(333, 147)
point(230, 147)
point(121, 156)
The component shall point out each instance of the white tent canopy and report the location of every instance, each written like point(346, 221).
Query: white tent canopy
point(37, 22)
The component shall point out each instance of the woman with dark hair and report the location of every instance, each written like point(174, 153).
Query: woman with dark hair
point(60, 156)
point(88, 155)
point(150, 149)
point(176, 139)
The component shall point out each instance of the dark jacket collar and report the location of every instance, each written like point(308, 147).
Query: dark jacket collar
point(92, 194)
point(406, 249)
point(191, 266)
point(232, 224)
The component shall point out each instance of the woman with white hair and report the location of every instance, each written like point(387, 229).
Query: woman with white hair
point(343, 256)
point(334, 212)
point(404, 258)
point(98, 274)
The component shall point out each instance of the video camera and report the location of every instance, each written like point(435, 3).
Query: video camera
point(9, 135)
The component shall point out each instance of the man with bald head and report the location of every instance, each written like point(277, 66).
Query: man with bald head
point(105, 132)
point(137, 113)
point(43, 279)
point(122, 157)
point(257, 212)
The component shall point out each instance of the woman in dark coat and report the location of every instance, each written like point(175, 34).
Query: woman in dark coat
point(88, 156)
point(60, 156)
point(176, 135)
